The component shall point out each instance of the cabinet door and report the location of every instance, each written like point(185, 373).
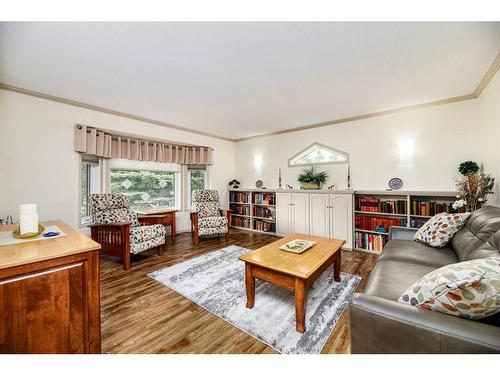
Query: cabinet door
point(341, 218)
point(319, 215)
point(300, 213)
point(283, 209)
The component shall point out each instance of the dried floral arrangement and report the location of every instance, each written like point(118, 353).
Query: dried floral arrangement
point(472, 187)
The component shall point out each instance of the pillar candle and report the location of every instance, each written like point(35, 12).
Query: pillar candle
point(28, 218)
point(28, 223)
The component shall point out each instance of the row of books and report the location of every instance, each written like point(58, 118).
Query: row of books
point(368, 241)
point(371, 223)
point(265, 226)
point(263, 198)
point(239, 197)
point(376, 205)
point(240, 221)
point(240, 209)
point(264, 212)
point(417, 223)
point(425, 207)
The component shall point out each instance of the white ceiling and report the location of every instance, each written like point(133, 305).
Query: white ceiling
point(242, 79)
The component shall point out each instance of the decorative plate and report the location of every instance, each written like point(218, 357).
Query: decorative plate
point(17, 233)
point(297, 246)
point(395, 183)
point(259, 184)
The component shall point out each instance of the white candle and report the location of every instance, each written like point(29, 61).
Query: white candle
point(28, 223)
point(29, 208)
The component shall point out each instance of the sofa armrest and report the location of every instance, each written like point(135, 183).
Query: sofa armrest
point(378, 325)
point(401, 233)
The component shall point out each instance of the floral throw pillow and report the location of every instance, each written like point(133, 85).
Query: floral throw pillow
point(468, 289)
point(440, 228)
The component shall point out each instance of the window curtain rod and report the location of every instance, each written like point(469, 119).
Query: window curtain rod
point(92, 141)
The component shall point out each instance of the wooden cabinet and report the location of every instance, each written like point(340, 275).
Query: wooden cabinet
point(51, 304)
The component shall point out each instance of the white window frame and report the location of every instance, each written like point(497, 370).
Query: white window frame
point(187, 190)
point(306, 150)
point(150, 166)
point(94, 184)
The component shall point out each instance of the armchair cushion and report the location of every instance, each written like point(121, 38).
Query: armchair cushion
point(213, 230)
point(146, 232)
point(112, 208)
point(139, 247)
point(206, 203)
point(117, 215)
point(212, 221)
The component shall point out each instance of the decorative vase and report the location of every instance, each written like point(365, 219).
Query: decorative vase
point(309, 186)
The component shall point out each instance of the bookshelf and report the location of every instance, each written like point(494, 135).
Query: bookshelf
point(253, 210)
point(376, 211)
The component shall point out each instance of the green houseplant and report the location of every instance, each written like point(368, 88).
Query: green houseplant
point(310, 179)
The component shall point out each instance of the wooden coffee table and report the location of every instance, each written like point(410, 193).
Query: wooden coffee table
point(295, 272)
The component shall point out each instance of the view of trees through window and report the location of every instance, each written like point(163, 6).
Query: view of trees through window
point(145, 189)
point(197, 179)
point(85, 191)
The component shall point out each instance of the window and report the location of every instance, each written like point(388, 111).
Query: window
point(145, 189)
point(318, 154)
point(89, 184)
point(197, 177)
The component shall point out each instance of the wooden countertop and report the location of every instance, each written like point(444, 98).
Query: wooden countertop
point(304, 191)
point(30, 252)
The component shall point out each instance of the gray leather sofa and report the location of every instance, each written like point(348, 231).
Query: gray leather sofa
point(379, 324)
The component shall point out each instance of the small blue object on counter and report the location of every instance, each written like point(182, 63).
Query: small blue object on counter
point(51, 234)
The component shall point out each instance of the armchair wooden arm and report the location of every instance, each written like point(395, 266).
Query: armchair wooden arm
point(114, 239)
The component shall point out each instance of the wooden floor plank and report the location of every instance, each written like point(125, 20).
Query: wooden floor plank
point(140, 315)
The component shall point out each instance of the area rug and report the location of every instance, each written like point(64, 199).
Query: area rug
point(216, 282)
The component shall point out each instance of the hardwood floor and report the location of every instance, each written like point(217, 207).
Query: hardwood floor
point(139, 315)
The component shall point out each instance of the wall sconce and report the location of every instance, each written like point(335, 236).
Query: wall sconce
point(406, 152)
point(257, 161)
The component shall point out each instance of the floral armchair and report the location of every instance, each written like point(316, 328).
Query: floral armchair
point(207, 217)
point(119, 230)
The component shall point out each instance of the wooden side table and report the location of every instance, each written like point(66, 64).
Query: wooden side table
point(165, 217)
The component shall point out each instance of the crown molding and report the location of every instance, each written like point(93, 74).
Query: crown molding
point(365, 116)
point(488, 76)
point(486, 79)
point(108, 111)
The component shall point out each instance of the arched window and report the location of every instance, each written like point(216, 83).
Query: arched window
point(318, 154)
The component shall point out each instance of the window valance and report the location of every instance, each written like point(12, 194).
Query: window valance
point(92, 141)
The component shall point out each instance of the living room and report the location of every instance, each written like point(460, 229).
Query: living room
point(250, 187)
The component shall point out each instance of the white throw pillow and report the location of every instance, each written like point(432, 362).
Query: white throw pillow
point(467, 289)
point(441, 228)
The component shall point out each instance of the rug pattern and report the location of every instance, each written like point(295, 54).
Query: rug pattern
point(216, 282)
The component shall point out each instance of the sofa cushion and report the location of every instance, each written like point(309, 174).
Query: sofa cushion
point(467, 289)
point(418, 253)
point(470, 242)
point(389, 279)
point(440, 228)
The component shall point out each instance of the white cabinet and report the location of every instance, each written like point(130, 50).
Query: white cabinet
point(341, 218)
point(319, 213)
point(292, 213)
point(283, 213)
point(300, 213)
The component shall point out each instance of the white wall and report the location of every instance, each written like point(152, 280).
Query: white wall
point(38, 163)
point(489, 120)
point(442, 137)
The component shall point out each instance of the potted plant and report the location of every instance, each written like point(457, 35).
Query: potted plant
point(473, 188)
point(310, 179)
